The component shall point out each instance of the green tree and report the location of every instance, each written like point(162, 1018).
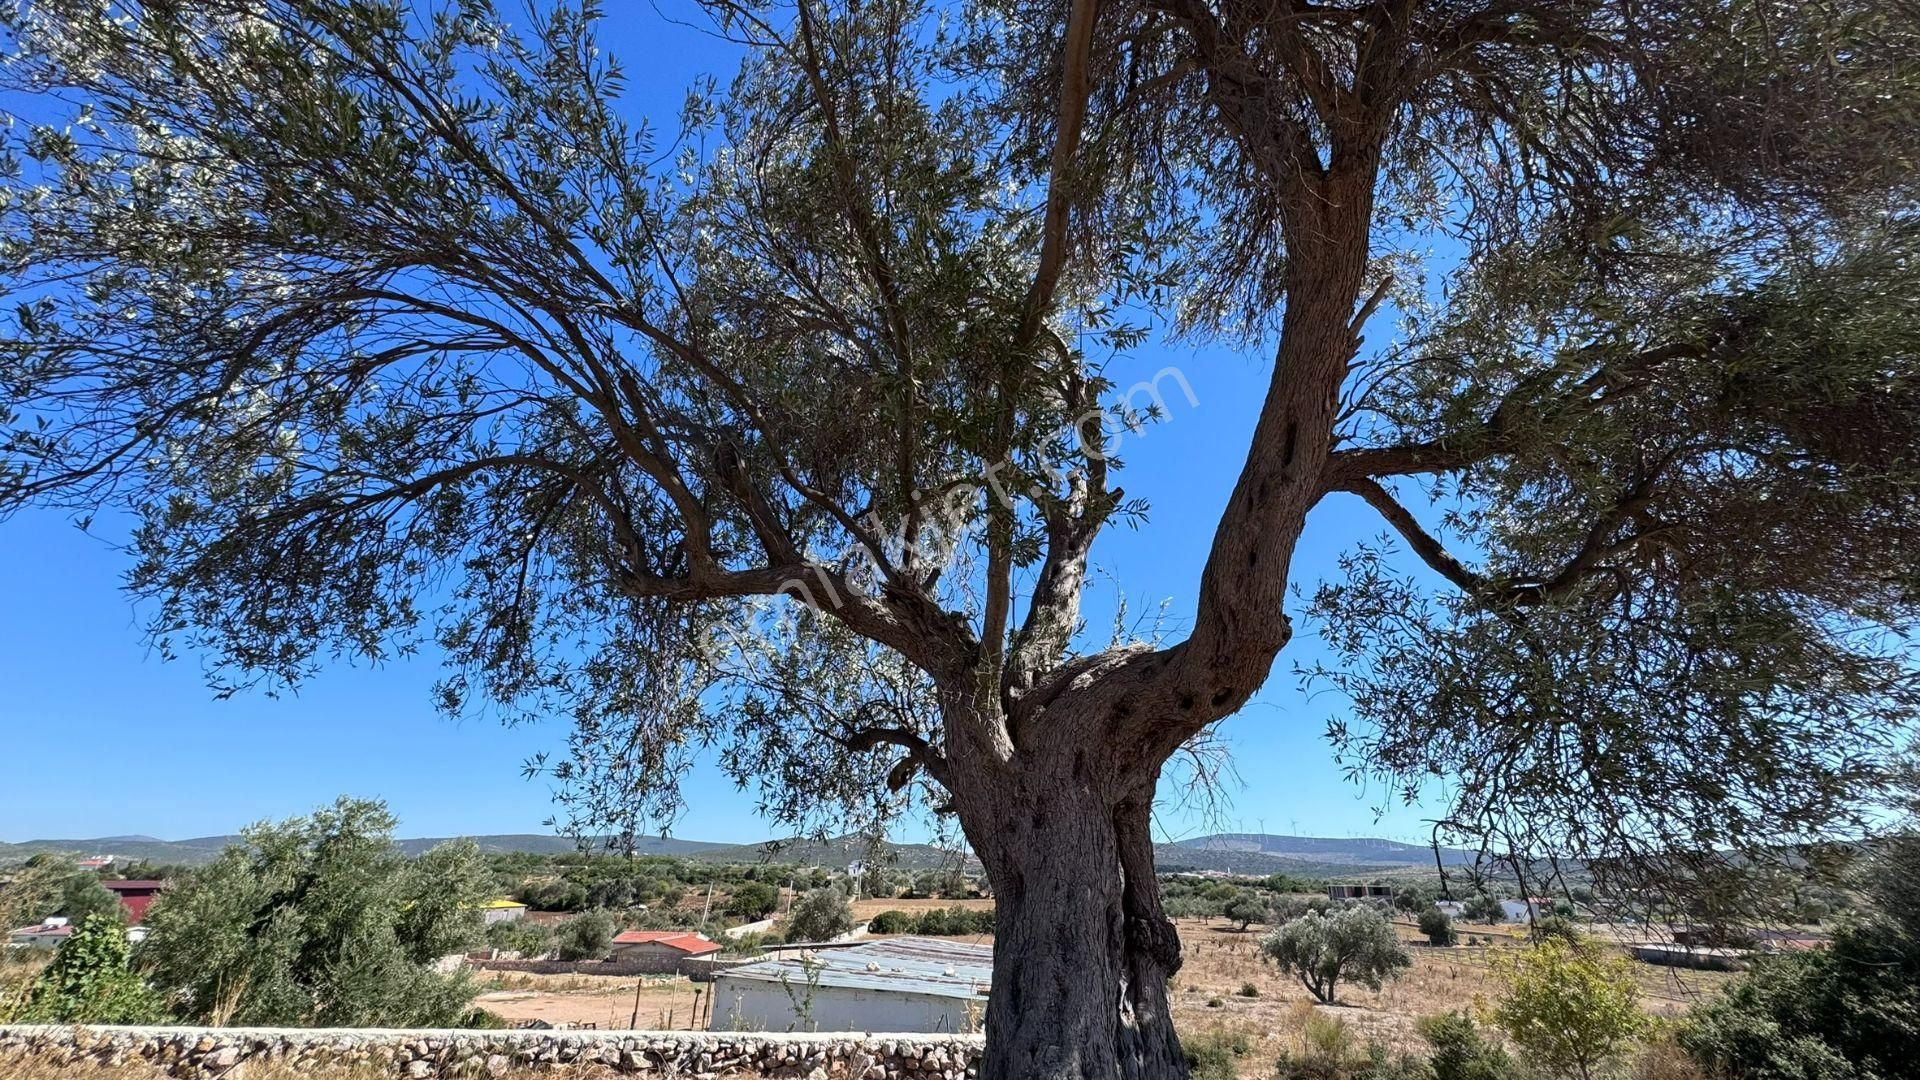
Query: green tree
point(89, 981)
point(1246, 907)
point(387, 322)
point(319, 921)
point(586, 936)
point(1437, 926)
point(33, 891)
point(1483, 908)
point(1848, 1012)
point(819, 915)
point(529, 939)
point(754, 900)
point(82, 897)
point(1569, 1007)
point(1356, 944)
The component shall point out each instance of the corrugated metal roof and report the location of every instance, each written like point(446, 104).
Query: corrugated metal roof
point(906, 965)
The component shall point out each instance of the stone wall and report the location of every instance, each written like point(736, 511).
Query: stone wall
point(212, 1053)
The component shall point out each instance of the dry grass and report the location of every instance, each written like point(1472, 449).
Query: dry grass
point(1221, 960)
point(867, 909)
point(605, 1003)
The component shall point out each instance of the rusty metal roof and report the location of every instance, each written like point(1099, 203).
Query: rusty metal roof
point(907, 965)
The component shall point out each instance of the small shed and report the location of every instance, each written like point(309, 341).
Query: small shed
point(502, 910)
point(904, 984)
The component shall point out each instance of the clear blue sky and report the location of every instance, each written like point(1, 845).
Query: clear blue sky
point(106, 739)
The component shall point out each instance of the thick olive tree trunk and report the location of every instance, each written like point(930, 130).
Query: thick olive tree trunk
point(1082, 949)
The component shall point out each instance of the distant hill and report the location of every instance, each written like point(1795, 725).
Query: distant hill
point(1240, 853)
point(1329, 850)
point(203, 849)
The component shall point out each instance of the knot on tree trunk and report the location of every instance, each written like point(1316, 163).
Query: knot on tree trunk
point(1154, 937)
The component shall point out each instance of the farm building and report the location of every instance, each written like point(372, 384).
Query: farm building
point(49, 934)
point(661, 945)
point(502, 910)
point(901, 984)
point(1359, 892)
point(135, 895)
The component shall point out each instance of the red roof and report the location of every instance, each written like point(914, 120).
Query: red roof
point(689, 943)
point(44, 930)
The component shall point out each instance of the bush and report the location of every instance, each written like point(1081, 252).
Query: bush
point(753, 901)
point(1569, 1007)
point(820, 915)
point(1849, 1012)
point(955, 921)
point(1483, 908)
point(1211, 1056)
point(1461, 1052)
point(1438, 927)
point(1357, 944)
point(586, 936)
point(89, 982)
point(891, 922)
point(320, 921)
point(530, 939)
point(1249, 990)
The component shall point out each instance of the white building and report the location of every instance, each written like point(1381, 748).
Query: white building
point(902, 984)
point(50, 934)
point(502, 910)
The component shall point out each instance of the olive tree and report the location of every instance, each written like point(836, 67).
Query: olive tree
point(818, 915)
point(790, 432)
point(319, 921)
point(1356, 944)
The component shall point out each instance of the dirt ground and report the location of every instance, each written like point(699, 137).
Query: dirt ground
point(867, 909)
point(599, 1002)
point(1221, 961)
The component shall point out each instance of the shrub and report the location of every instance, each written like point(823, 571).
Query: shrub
point(891, 922)
point(1850, 1011)
point(586, 936)
point(89, 982)
point(1249, 990)
point(1357, 944)
point(1327, 1053)
point(1569, 1007)
point(1211, 1056)
point(1461, 1052)
point(1438, 927)
point(320, 921)
point(820, 915)
point(1483, 908)
point(753, 900)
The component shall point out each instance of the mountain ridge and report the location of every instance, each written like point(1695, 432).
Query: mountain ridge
point(1256, 854)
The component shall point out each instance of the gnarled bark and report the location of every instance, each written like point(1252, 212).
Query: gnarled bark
point(1083, 950)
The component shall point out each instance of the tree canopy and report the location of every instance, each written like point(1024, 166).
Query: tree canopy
point(1354, 944)
point(788, 428)
point(319, 921)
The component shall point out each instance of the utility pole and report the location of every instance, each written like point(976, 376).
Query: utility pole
point(708, 908)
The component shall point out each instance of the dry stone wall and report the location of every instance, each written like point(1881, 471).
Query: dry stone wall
point(209, 1053)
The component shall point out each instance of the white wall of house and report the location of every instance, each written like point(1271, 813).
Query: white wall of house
point(1520, 911)
point(758, 1005)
